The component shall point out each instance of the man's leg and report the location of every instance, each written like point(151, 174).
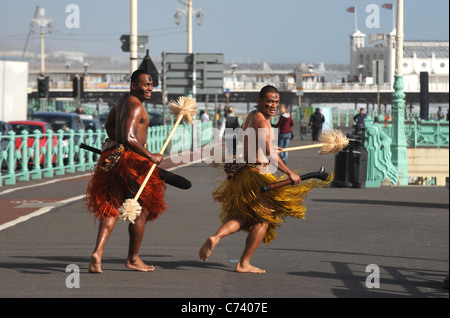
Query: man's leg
point(254, 239)
point(229, 227)
point(136, 233)
point(104, 230)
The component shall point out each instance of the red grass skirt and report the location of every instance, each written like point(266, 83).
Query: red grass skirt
point(107, 191)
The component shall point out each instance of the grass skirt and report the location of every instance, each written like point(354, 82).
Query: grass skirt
point(107, 190)
point(241, 195)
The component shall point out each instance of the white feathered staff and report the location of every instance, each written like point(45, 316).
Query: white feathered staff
point(331, 142)
point(184, 107)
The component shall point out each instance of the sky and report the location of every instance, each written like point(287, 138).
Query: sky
point(245, 31)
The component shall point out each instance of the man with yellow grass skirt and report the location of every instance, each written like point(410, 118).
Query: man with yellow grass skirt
point(244, 206)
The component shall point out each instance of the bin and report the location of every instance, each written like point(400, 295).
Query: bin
point(350, 164)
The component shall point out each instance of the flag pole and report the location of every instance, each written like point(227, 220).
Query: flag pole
point(393, 17)
point(356, 19)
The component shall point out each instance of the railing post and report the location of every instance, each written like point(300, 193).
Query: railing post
point(379, 164)
point(90, 155)
point(48, 172)
point(36, 170)
point(59, 170)
point(71, 159)
point(12, 161)
point(81, 160)
point(24, 174)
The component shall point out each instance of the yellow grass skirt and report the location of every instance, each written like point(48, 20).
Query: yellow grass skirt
point(241, 195)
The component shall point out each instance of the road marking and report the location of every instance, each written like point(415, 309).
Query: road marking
point(48, 206)
point(43, 183)
point(41, 211)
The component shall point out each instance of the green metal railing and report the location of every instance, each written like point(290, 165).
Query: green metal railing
point(38, 156)
point(419, 133)
point(379, 164)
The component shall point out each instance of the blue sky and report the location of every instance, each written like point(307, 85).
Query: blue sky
point(283, 31)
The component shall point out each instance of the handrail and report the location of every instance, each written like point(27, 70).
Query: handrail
point(19, 163)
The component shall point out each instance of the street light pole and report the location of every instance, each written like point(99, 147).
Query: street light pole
point(189, 26)
point(188, 11)
point(42, 52)
point(399, 144)
point(133, 36)
point(41, 21)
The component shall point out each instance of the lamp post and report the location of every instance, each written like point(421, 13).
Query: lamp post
point(41, 21)
point(188, 11)
point(133, 36)
point(399, 144)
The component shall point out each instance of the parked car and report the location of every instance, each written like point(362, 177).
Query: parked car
point(64, 121)
point(102, 118)
point(91, 123)
point(156, 119)
point(30, 126)
point(5, 128)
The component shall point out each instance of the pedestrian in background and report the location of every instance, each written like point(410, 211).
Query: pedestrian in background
point(315, 124)
point(231, 121)
point(204, 117)
point(440, 114)
point(284, 125)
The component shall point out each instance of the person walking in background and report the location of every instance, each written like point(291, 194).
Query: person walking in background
point(360, 119)
point(204, 117)
point(284, 125)
point(440, 114)
point(315, 124)
point(231, 121)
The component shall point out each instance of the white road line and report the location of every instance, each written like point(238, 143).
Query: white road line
point(43, 183)
point(46, 209)
point(39, 212)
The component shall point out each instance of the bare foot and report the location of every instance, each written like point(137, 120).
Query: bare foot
point(207, 248)
point(95, 265)
point(248, 269)
point(139, 265)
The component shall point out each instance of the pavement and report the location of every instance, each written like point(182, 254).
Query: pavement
point(388, 242)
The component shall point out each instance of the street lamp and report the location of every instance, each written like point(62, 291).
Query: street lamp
point(399, 143)
point(85, 66)
point(41, 21)
point(188, 11)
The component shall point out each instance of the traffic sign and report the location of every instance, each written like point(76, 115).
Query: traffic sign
point(192, 73)
point(125, 39)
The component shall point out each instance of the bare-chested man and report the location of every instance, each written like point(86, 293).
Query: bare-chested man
point(244, 207)
point(123, 164)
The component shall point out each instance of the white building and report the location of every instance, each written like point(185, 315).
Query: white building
point(418, 56)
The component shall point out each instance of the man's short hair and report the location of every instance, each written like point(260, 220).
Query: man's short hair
point(267, 89)
point(136, 74)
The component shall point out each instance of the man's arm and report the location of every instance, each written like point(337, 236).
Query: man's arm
point(272, 153)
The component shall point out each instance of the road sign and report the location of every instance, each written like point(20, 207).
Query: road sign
point(125, 39)
point(196, 73)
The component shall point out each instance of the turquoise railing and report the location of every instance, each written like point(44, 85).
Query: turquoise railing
point(66, 156)
point(379, 164)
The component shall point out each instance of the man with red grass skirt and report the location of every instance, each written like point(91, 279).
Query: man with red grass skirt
point(121, 169)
